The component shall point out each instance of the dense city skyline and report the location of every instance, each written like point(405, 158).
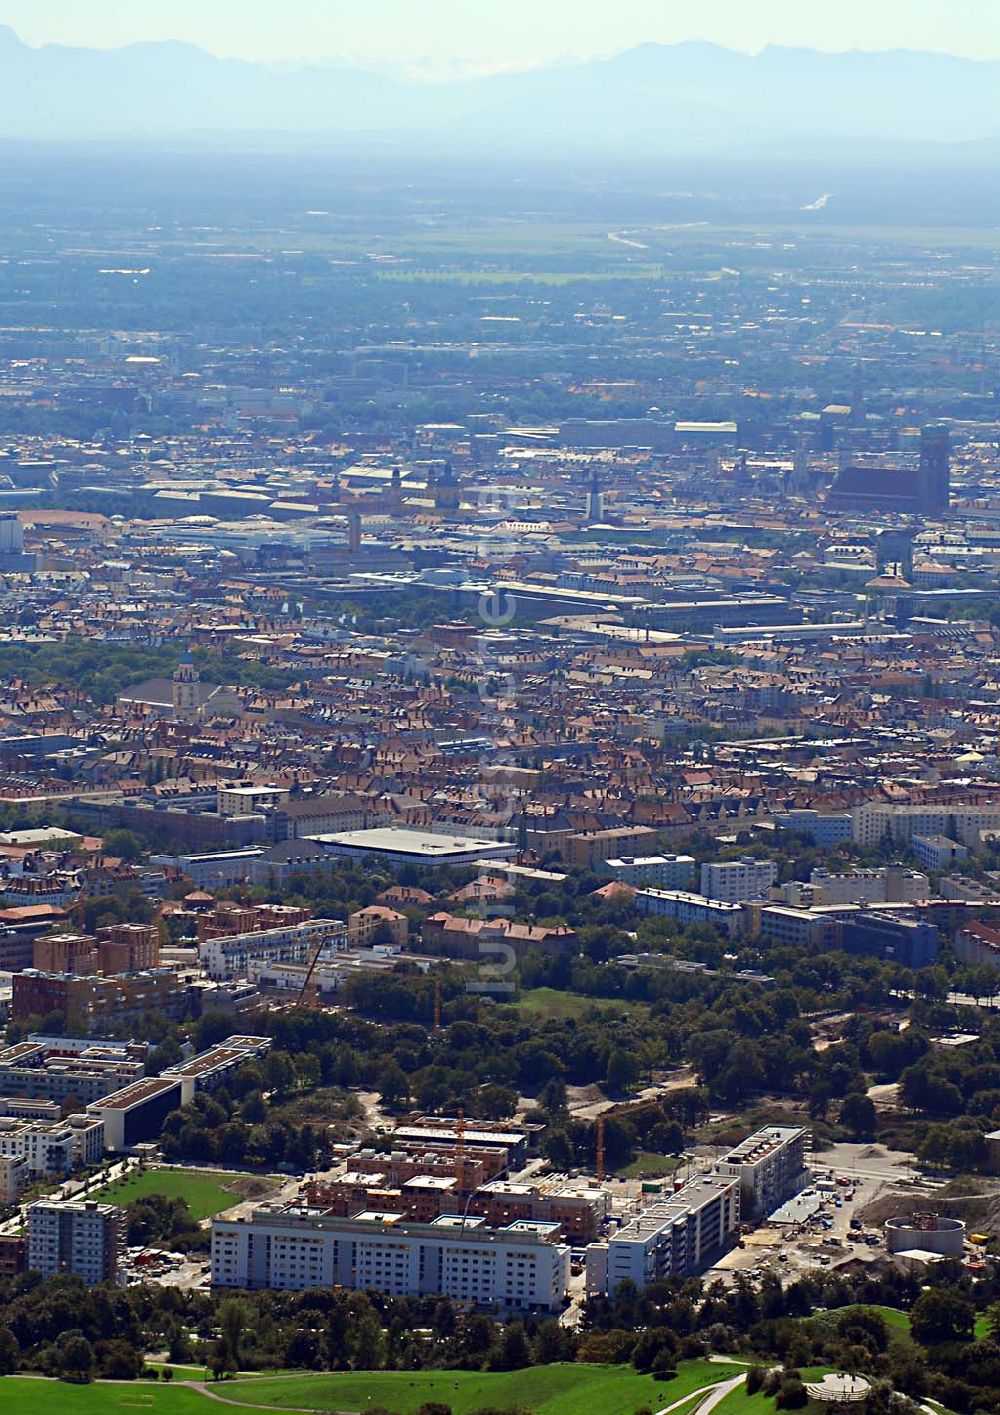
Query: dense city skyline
point(500, 708)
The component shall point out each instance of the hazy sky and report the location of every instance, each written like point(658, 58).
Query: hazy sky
point(502, 32)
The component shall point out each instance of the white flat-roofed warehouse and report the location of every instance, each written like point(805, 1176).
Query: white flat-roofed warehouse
point(414, 847)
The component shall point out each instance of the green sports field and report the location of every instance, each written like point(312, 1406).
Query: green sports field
point(204, 1190)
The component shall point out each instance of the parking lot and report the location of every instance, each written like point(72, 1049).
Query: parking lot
point(846, 1178)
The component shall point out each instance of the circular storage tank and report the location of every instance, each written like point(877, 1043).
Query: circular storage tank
point(925, 1233)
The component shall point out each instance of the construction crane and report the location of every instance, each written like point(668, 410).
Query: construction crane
point(77, 911)
point(599, 1158)
point(313, 961)
point(460, 1150)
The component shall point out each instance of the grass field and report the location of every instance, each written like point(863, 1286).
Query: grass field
point(21, 1394)
point(894, 1319)
point(203, 1190)
point(546, 1003)
point(546, 1390)
point(648, 1165)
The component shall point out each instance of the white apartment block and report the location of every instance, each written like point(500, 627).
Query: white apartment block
point(70, 1237)
point(890, 885)
point(53, 1148)
point(15, 1175)
point(770, 1166)
point(672, 1238)
point(235, 956)
point(691, 909)
point(658, 871)
point(874, 821)
point(978, 946)
point(521, 1267)
point(736, 881)
point(814, 927)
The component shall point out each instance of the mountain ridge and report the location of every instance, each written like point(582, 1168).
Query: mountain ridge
point(688, 97)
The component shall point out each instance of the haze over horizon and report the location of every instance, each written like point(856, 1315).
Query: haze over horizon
point(519, 33)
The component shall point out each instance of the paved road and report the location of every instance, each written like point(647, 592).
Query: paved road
point(75, 1189)
point(711, 1396)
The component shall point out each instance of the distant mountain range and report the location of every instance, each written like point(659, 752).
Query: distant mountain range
point(648, 100)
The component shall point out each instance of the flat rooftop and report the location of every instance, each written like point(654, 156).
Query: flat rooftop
point(136, 1094)
point(421, 845)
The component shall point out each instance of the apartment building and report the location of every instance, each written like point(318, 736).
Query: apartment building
point(15, 1176)
point(136, 1113)
point(937, 852)
point(421, 1197)
point(892, 884)
point(233, 956)
point(691, 909)
point(376, 921)
point(824, 829)
point(93, 1004)
point(211, 1068)
point(978, 945)
point(735, 881)
point(672, 1238)
point(35, 1070)
point(770, 1166)
point(587, 848)
point(70, 1237)
point(52, 1149)
point(801, 928)
point(519, 1268)
point(651, 871)
point(961, 822)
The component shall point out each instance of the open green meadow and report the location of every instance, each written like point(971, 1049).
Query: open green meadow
point(546, 1390)
point(564, 1389)
point(206, 1192)
point(550, 1004)
point(24, 1395)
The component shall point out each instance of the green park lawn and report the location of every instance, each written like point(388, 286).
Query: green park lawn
point(894, 1319)
point(546, 1390)
point(549, 1003)
point(204, 1190)
point(648, 1165)
point(23, 1395)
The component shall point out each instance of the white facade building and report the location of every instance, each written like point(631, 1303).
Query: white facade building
point(770, 1166)
point(691, 909)
point(53, 1148)
point(521, 1267)
point(874, 821)
point(892, 884)
point(658, 871)
point(674, 1237)
point(736, 881)
point(234, 956)
point(69, 1237)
